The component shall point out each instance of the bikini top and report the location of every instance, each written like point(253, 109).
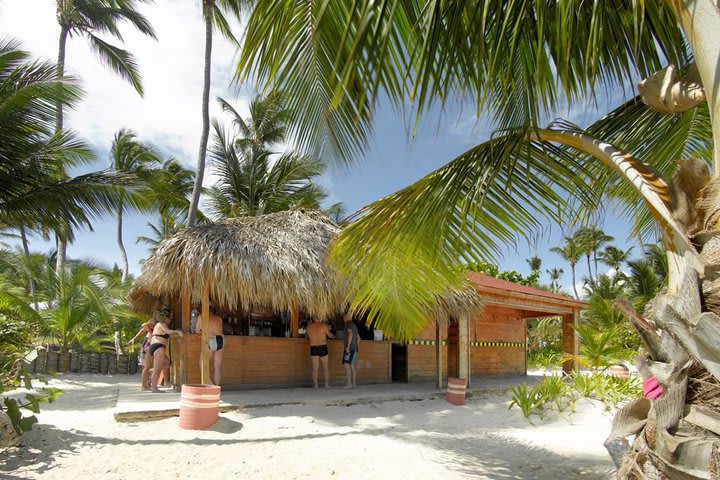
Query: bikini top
point(163, 335)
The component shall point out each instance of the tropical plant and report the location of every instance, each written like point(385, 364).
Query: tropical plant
point(589, 240)
point(534, 263)
point(570, 252)
point(614, 257)
point(518, 60)
point(253, 178)
point(644, 283)
point(529, 401)
point(88, 18)
point(213, 12)
point(555, 274)
point(130, 156)
point(35, 192)
point(89, 304)
point(599, 349)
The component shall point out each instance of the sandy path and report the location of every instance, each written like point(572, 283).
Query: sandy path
point(77, 438)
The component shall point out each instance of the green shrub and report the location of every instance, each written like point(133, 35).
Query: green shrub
point(529, 401)
point(553, 389)
point(543, 358)
point(30, 401)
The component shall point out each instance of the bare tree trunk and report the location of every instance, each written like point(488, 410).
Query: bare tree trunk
point(31, 280)
point(199, 174)
point(61, 241)
point(123, 253)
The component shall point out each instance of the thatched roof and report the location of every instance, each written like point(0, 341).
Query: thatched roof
point(269, 260)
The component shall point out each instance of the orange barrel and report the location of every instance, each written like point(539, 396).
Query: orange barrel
point(619, 371)
point(456, 391)
point(199, 406)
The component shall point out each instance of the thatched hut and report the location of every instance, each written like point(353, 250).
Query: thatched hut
point(262, 274)
point(274, 261)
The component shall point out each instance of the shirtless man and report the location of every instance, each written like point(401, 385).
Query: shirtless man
point(216, 341)
point(318, 332)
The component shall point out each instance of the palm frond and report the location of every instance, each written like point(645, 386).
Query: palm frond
point(120, 61)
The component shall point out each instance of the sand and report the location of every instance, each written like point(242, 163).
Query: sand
point(77, 438)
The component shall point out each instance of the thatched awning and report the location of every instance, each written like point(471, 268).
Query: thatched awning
point(270, 260)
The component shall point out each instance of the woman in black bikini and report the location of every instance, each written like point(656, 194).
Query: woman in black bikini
point(158, 346)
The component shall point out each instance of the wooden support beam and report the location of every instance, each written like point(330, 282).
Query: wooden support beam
point(464, 347)
point(438, 355)
point(204, 346)
point(295, 320)
point(570, 339)
point(185, 323)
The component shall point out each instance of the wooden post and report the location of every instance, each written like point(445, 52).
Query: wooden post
point(295, 320)
point(438, 355)
point(204, 346)
point(185, 323)
point(571, 341)
point(463, 347)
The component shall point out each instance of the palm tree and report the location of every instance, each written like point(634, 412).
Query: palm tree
point(614, 257)
point(337, 212)
point(33, 191)
point(251, 180)
point(599, 238)
point(570, 252)
point(88, 18)
point(555, 274)
point(214, 15)
point(128, 155)
point(519, 60)
point(535, 263)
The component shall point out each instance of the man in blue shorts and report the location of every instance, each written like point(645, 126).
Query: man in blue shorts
point(351, 350)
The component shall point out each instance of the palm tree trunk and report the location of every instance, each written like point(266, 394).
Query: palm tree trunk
point(595, 260)
point(61, 243)
point(31, 280)
point(60, 73)
point(590, 273)
point(572, 272)
point(123, 253)
point(197, 187)
point(60, 240)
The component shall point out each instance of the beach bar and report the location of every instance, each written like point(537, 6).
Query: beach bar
point(265, 276)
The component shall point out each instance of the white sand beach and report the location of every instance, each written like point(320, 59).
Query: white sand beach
point(78, 438)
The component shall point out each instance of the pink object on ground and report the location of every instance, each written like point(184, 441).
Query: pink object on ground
point(652, 389)
point(455, 393)
point(199, 406)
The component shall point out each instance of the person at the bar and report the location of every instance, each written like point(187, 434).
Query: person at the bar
point(318, 332)
point(158, 346)
point(216, 342)
point(145, 358)
point(351, 350)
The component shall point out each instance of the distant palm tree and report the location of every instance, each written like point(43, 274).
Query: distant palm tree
point(88, 18)
point(337, 212)
point(555, 274)
point(535, 263)
point(128, 155)
point(570, 252)
point(252, 181)
point(644, 282)
point(214, 15)
point(614, 257)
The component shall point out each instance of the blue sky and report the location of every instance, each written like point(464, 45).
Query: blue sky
point(169, 117)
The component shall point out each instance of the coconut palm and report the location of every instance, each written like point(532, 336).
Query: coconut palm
point(570, 252)
point(128, 155)
point(252, 181)
point(519, 60)
point(614, 257)
point(33, 190)
point(214, 12)
point(90, 18)
point(555, 274)
point(534, 263)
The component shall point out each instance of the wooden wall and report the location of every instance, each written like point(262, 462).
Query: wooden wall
point(504, 327)
point(281, 362)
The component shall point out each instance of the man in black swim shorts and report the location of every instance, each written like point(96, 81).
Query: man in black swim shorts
point(318, 332)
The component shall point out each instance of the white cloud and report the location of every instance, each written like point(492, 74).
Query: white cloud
point(169, 114)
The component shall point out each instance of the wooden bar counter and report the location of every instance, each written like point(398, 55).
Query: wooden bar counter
point(267, 362)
